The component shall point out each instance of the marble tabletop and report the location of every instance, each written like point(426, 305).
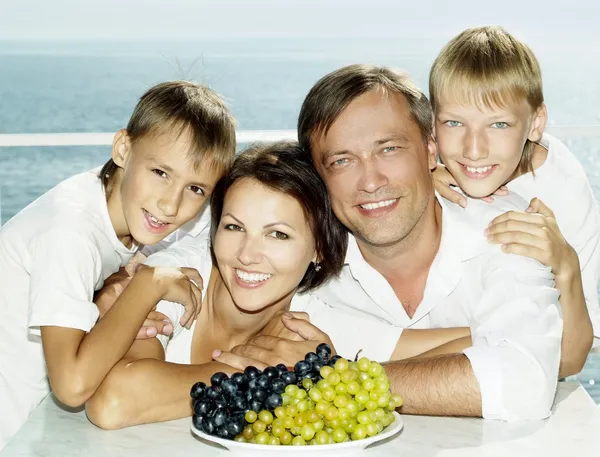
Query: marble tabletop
point(572, 430)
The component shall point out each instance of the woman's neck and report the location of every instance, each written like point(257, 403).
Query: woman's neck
point(233, 325)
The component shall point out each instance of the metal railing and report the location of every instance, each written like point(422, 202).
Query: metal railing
point(243, 136)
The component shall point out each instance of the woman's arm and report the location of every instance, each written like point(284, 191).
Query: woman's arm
point(143, 388)
point(78, 361)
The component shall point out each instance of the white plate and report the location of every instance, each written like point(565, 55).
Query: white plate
point(323, 449)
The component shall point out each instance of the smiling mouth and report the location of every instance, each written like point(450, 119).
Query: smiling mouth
point(377, 205)
point(252, 278)
point(153, 221)
point(478, 172)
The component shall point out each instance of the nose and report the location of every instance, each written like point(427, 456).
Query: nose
point(475, 145)
point(372, 176)
point(169, 202)
point(250, 251)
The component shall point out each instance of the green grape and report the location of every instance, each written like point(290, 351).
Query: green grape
point(301, 394)
point(259, 427)
point(307, 432)
point(334, 378)
point(372, 429)
point(353, 387)
point(312, 416)
point(348, 376)
point(265, 416)
point(371, 405)
point(322, 437)
point(352, 408)
point(262, 438)
point(343, 414)
point(325, 371)
point(288, 422)
point(362, 397)
point(240, 439)
point(350, 426)
point(374, 395)
point(286, 438)
point(375, 369)
point(341, 388)
point(362, 376)
point(397, 399)
point(277, 429)
point(369, 385)
point(291, 390)
point(363, 417)
point(250, 416)
point(285, 399)
point(298, 441)
point(359, 433)
point(307, 383)
point(274, 441)
point(334, 423)
point(319, 425)
point(379, 427)
point(379, 414)
point(322, 406)
point(331, 413)
point(328, 394)
point(341, 401)
point(339, 435)
point(383, 387)
point(279, 412)
point(302, 405)
point(299, 420)
point(248, 433)
point(315, 394)
point(341, 365)
point(323, 384)
point(295, 430)
point(291, 410)
point(364, 364)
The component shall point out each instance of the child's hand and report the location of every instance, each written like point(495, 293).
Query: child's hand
point(444, 181)
point(179, 285)
point(535, 234)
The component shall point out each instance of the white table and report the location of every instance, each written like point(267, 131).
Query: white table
point(572, 431)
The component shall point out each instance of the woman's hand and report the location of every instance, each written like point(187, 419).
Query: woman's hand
point(444, 183)
point(276, 326)
point(179, 285)
point(263, 350)
point(535, 234)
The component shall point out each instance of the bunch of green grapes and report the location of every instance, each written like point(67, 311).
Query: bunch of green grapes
point(350, 401)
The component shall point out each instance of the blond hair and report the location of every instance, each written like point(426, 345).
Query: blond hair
point(488, 67)
point(187, 108)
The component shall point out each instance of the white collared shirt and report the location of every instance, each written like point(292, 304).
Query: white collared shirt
point(508, 301)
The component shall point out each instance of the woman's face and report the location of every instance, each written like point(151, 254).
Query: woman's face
point(263, 245)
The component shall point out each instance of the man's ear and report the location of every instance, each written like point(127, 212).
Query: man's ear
point(539, 124)
point(432, 153)
point(121, 148)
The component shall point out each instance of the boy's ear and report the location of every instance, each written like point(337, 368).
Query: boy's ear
point(121, 148)
point(432, 153)
point(538, 125)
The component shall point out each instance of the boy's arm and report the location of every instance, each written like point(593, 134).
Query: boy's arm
point(511, 370)
point(143, 388)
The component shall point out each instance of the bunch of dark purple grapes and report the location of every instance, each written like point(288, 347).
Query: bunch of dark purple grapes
point(219, 409)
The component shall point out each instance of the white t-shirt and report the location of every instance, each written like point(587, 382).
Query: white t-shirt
point(508, 302)
point(562, 184)
point(53, 255)
point(341, 326)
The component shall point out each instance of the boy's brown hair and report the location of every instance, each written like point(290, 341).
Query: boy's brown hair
point(487, 67)
point(191, 108)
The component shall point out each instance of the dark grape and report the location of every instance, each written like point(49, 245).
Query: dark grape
point(218, 378)
point(233, 427)
point(197, 390)
point(289, 378)
point(202, 407)
point(281, 368)
point(278, 386)
point(207, 426)
point(213, 393)
point(273, 401)
point(238, 403)
point(222, 432)
point(311, 357)
point(256, 405)
point(263, 381)
point(219, 416)
point(318, 365)
point(197, 421)
point(334, 359)
point(258, 393)
point(271, 372)
point(252, 372)
point(229, 387)
point(302, 367)
point(323, 351)
point(241, 380)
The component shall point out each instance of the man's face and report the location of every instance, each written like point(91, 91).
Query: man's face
point(376, 166)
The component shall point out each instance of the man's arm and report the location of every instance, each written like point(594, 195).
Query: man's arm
point(439, 386)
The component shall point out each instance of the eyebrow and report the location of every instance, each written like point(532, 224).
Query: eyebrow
point(266, 226)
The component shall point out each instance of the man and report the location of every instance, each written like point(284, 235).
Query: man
point(416, 261)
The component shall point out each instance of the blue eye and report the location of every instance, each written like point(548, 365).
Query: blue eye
point(390, 148)
point(499, 125)
point(453, 123)
point(339, 162)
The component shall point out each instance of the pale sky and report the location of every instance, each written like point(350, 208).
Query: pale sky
point(221, 19)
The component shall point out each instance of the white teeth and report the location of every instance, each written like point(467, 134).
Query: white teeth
point(378, 204)
point(479, 169)
point(154, 220)
point(252, 277)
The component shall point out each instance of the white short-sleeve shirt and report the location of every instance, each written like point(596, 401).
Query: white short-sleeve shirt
point(508, 301)
point(53, 255)
point(562, 184)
